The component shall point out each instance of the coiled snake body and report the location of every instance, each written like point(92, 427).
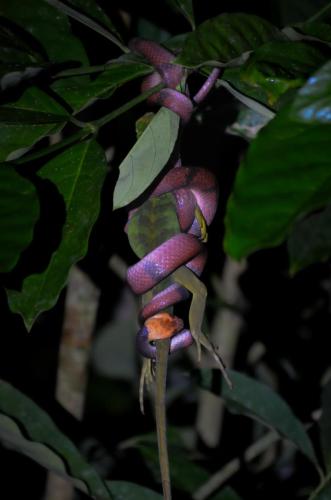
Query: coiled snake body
point(181, 257)
point(195, 192)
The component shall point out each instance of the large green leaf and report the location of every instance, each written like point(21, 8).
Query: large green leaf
point(29, 119)
point(316, 30)
point(81, 91)
point(147, 157)
point(95, 12)
point(225, 38)
point(19, 60)
point(312, 103)
point(310, 240)
point(151, 31)
point(286, 172)
point(48, 25)
point(186, 8)
point(274, 68)
point(19, 210)
point(15, 49)
point(252, 398)
point(27, 429)
point(78, 174)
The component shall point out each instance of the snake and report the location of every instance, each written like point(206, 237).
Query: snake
point(195, 192)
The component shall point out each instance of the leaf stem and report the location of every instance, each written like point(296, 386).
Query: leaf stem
point(128, 105)
point(89, 128)
point(78, 16)
point(87, 70)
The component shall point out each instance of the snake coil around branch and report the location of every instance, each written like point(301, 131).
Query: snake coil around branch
point(195, 192)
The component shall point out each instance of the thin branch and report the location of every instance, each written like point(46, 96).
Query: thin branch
point(128, 105)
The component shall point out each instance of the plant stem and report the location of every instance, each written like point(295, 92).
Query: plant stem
point(122, 109)
point(162, 353)
point(90, 127)
point(76, 137)
point(87, 70)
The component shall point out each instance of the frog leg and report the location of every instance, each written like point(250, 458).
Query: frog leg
point(186, 278)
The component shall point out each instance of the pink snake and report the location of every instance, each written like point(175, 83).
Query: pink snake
point(192, 187)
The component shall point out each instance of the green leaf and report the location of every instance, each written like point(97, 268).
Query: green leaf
point(151, 31)
point(312, 103)
point(286, 172)
point(316, 30)
point(175, 43)
point(122, 490)
point(325, 426)
point(16, 50)
point(78, 174)
point(26, 428)
point(87, 20)
point(95, 12)
point(48, 25)
point(19, 211)
point(274, 68)
point(147, 157)
point(226, 494)
point(186, 8)
point(153, 223)
point(79, 91)
point(256, 400)
point(32, 117)
point(225, 38)
point(310, 240)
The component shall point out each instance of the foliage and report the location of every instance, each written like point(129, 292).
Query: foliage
point(67, 109)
